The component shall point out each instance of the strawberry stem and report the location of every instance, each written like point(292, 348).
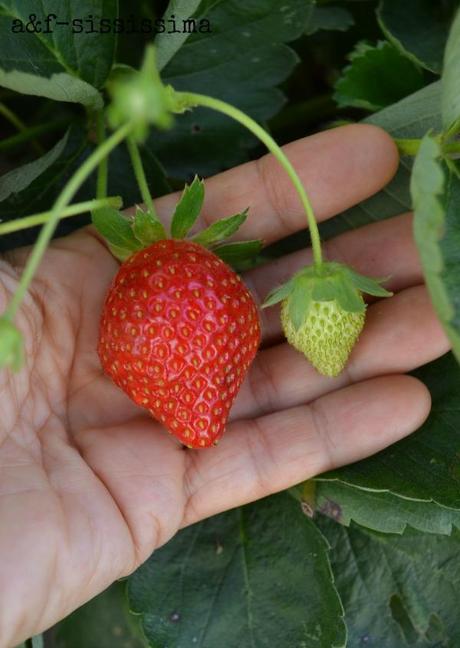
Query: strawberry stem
point(62, 201)
point(103, 170)
point(139, 172)
point(19, 125)
point(184, 100)
point(73, 210)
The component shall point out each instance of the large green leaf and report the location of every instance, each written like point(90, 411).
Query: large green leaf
point(419, 28)
point(328, 19)
point(241, 61)
point(253, 577)
point(21, 177)
point(382, 511)
point(377, 76)
point(61, 65)
point(33, 187)
point(167, 44)
point(451, 76)
point(104, 622)
point(398, 591)
point(436, 197)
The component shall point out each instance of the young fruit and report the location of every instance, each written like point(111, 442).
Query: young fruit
point(323, 313)
point(178, 332)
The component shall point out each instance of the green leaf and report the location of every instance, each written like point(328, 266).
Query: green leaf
point(116, 230)
point(188, 208)
point(418, 28)
point(21, 177)
point(85, 56)
point(244, 70)
point(168, 44)
point(230, 581)
point(436, 196)
point(240, 254)
point(397, 590)
point(451, 76)
point(221, 229)
point(104, 622)
point(382, 511)
point(33, 187)
point(377, 76)
point(147, 229)
point(426, 465)
point(329, 19)
point(59, 86)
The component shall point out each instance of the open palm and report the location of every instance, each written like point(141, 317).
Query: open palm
point(90, 485)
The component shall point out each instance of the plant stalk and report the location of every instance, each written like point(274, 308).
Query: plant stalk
point(191, 99)
point(19, 125)
point(103, 170)
point(66, 195)
point(73, 210)
point(139, 172)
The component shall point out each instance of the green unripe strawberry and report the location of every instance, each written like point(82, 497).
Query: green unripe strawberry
point(323, 312)
point(326, 336)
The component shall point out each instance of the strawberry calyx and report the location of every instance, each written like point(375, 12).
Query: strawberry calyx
point(331, 281)
point(127, 234)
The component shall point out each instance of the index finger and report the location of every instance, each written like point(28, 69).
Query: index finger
point(338, 168)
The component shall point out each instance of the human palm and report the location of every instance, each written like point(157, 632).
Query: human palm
point(90, 485)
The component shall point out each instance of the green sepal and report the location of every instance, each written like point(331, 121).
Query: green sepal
point(117, 231)
point(299, 302)
point(187, 209)
point(239, 255)
point(11, 345)
point(348, 297)
point(278, 294)
point(367, 284)
point(140, 97)
point(330, 281)
point(147, 228)
point(220, 230)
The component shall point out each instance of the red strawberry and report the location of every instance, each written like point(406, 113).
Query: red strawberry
point(178, 332)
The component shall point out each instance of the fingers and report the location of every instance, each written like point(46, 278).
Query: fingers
point(383, 249)
point(260, 457)
point(401, 334)
point(339, 168)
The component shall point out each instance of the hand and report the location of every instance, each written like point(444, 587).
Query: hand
point(90, 485)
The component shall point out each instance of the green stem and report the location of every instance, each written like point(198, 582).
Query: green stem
point(31, 133)
point(138, 168)
point(453, 147)
point(411, 146)
point(18, 124)
point(103, 170)
point(66, 195)
point(73, 210)
point(408, 146)
point(190, 99)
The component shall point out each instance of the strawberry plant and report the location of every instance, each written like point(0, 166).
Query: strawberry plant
point(131, 107)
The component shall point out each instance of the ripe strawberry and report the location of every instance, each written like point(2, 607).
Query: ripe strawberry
point(178, 332)
point(323, 312)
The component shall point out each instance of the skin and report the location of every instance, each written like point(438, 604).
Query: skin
point(90, 485)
